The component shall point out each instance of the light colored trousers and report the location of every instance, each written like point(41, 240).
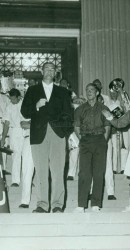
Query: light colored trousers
point(109, 177)
point(127, 166)
point(27, 171)
point(4, 155)
point(73, 161)
point(111, 163)
point(21, 149)
point(114, 150)
point(123, 152)
point(50, 154)
point(126, 138)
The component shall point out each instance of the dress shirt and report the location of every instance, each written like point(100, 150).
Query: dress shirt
point(90, 119)
point(105, 98)
point(48, 89)
point(4, 102)
point(13, 114)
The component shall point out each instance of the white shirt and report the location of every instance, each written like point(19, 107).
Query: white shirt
point(105, 98)
point(112, 104)
point(48, 89)
point(13, 114)
point(4, 102)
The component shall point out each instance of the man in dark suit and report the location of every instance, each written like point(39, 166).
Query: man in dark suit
point(49, 108)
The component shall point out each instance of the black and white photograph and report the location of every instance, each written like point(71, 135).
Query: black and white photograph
point(64, 124)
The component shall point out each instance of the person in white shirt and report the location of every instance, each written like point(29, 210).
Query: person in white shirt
point(4, 101)
point(119, 85)
point(121, 122)
point(111, 158)
point(19, 131)
point(27, 164)
point(111, 162)
point(12, 125)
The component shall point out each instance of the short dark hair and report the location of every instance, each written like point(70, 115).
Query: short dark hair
point(48, 63)
point(14, 92)
point(93, 85)
point(97, 80)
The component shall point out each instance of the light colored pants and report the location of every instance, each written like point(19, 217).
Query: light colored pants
point(27, 171)
point(109, 177)
point(123, 152)
point(4, 155)
point(126, 163)
point(1, 126)
point(126, 139)
point(124, 157)
point(127, 166)
point(73, 161)
point(114, 151)
point(50, 154)
point(21, 148)
point(111, 163)
point(16, 144)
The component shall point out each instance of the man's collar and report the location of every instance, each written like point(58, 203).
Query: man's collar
point(93, 105)
point(47, 85)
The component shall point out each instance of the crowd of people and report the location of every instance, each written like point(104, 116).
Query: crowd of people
point(51, 120)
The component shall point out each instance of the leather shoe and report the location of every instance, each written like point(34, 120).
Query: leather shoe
point(39, 210)
point(24, 206)
point(70, 178)
point(122, 172)
point(57, 210)
point(114, 172)
point(111, 197)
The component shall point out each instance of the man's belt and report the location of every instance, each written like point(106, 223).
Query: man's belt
point(93, 133)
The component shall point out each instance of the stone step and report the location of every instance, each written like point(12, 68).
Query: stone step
point(95, 231)
point(65, 218)
point(61, 230)
point(107, 230)
point(66, 243)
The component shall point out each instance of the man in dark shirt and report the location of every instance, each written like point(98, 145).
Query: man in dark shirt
point(92, 130)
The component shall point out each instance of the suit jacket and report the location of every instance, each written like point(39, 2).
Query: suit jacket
point(57, 112)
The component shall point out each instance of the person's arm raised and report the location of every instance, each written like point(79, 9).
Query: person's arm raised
point(121, 122)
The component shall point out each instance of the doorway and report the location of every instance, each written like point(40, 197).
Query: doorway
point(17, 52)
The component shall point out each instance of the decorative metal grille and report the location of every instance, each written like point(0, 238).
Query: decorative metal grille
point(27, 61)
